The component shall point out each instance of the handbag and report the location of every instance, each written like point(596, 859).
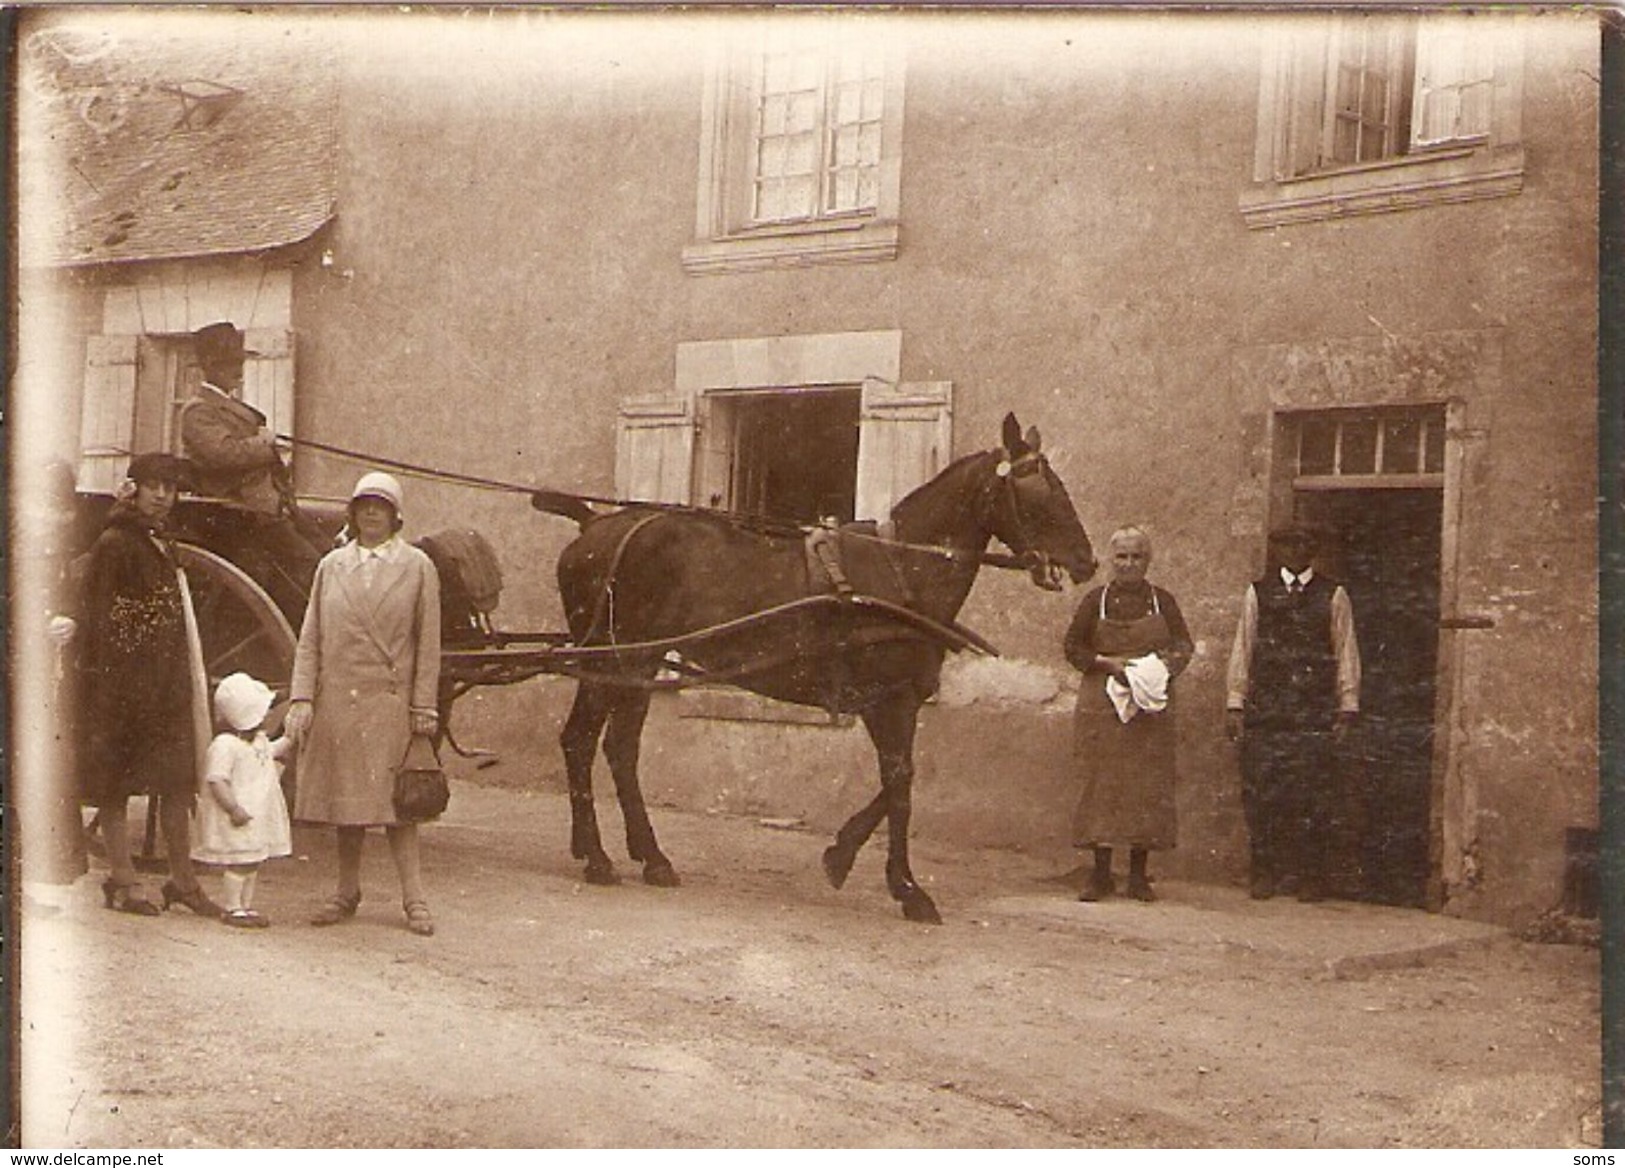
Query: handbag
point(421, 790)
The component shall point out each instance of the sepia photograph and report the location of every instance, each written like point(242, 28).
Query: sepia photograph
point(741, 577)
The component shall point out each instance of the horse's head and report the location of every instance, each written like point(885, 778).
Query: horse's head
point(1033, 516)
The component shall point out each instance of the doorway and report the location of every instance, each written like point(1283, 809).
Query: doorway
point(1384, 545)
point(792, 454)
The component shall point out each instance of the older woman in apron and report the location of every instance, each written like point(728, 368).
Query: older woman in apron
point(1130, 640)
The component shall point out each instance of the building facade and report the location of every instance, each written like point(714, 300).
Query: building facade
point(1236, 269)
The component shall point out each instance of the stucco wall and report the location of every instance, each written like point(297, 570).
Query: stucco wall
point(505, 267)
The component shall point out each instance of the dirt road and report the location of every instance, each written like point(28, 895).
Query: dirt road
point(757, 1007)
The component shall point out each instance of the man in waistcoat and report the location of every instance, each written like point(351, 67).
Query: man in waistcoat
point(1293, 691)
point(234, 456)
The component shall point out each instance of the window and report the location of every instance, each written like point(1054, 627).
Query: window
point(135, 386)
point(802, 124)
point(1360, 114)
point(1395, 447)
point(799, 427)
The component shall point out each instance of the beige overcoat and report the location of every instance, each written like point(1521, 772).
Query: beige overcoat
point(369, 653)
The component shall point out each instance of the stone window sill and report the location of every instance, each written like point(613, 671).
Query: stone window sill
point(1457, 176)
point(869, 241)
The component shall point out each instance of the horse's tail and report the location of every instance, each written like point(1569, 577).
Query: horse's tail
point(572, 507)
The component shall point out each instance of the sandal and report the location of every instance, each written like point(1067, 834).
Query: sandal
point(337, 907)
point(418, 919)
point(125, 898)
point(245, 918)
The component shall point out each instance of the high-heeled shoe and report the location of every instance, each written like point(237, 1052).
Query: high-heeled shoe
point(125, 899)
point(195, 899)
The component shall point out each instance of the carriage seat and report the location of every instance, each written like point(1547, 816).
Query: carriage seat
point(470, 583)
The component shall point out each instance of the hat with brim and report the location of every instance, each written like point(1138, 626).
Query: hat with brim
point(158, 467)
point(376, 484)
point(241, 701)
point(220, 341)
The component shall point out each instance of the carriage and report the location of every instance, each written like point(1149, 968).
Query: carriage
point(855, 619)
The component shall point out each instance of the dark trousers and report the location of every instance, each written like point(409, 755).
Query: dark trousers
point(280, 559)
point(1289, 783)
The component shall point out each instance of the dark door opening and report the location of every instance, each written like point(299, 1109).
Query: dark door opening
point(794, 453)
point(1385, 547)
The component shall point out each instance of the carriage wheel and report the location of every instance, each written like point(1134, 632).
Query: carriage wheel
point(242, 630)
point(240, 625)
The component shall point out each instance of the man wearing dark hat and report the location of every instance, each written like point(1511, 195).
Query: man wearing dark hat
point(1293, 692)
point(235, 457)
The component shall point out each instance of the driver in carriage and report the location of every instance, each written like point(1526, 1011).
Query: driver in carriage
point(235, 457)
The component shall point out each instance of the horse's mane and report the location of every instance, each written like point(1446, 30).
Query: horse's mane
point(955, 469)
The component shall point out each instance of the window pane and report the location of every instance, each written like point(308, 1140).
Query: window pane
point(1359, 454)
point(1317, 447)
point(803, 113)
point(801, 155)
point(1433, 456)
point(869, 145)
point(775, 115)
point(868, 191)
point(844, 194)
point(846, 147)
point(770, 158)
point(1401, 446)
point(849, 104)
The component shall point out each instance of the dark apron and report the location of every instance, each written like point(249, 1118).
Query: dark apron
point(1126, 768)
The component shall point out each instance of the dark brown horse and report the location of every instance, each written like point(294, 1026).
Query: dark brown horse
point(641, 576)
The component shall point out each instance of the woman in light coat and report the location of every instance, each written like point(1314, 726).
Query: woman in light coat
point(365, 678)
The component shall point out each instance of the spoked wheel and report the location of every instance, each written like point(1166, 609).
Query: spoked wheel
point(242, 630)
point(241, 627)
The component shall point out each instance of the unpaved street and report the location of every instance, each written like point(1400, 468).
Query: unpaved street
point(756, 1006)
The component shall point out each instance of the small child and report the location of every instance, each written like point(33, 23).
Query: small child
point(242, 819)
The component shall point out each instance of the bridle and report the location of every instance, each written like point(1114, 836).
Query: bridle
point(1005, 519)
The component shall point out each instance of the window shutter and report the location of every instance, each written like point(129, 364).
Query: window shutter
point(268, 377)
point(1306, 64)
point(1455, 79)
point(654, 449)
point(905, 437)
point(107, 412)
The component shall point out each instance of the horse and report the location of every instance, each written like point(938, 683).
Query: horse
point(743, 605)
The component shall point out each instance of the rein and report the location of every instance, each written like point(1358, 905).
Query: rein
point(1021, 561)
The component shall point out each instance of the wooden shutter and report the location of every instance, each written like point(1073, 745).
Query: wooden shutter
point(268, 377)
point(654, 449)
point(1455, 80)
point(107, 412)
point(905, 437)
point(1307, 65)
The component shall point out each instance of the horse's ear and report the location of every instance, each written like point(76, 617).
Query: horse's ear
point(1012, 436)
point(1033, 440)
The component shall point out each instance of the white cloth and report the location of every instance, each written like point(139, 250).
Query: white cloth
point(1147, 687)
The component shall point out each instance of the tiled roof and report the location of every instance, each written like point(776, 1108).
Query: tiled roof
point(177, 141)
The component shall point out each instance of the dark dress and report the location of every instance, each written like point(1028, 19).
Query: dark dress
point(1127, 768)
point(135, 688)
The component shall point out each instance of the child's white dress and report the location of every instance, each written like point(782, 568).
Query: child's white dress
point(255, 776)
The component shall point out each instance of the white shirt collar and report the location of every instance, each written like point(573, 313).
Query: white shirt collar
point(1301, 579)
point(384, 551)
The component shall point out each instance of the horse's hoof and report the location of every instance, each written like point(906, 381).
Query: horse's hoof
point(837, 865)
point(661, 875)
point(603, 874)
point(921, 910)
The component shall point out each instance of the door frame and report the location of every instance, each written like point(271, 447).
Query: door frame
point(1452, 792)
